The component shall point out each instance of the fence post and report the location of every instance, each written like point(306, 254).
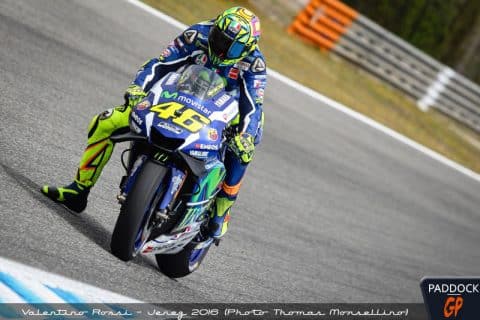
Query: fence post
point(435, 89)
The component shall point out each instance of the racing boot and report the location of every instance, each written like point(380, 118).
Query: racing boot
point(219, 217)
point(94, 158)
point(73, 196)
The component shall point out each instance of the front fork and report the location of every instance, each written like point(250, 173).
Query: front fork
point(132, 163)
point(176, 179)
point(133, 153)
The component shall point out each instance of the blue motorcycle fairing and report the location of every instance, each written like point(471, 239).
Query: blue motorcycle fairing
point(207, 141)
point(201, 149)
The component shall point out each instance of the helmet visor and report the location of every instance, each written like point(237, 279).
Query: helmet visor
point(219, 43)
point(236, 50)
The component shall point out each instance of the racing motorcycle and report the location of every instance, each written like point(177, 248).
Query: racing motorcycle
point(175, 169)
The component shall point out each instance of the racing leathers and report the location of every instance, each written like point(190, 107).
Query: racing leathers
point(248, 76)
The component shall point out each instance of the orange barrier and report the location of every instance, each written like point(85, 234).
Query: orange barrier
point(323, 22)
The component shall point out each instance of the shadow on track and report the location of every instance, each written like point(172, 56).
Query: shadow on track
point(84, 223)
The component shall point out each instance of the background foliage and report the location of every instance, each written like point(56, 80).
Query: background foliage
point(448, 30)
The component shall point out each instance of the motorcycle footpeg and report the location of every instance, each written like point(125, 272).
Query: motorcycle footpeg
point(161, 215)
point(121, 198)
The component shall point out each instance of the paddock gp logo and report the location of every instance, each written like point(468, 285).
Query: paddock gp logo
point(452, 298)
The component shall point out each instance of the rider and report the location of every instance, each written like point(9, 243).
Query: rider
point(228, 45)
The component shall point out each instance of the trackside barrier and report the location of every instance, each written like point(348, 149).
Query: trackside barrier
point(335, 27)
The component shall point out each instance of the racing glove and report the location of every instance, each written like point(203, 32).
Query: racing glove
point(243, 147)
point(133, 95)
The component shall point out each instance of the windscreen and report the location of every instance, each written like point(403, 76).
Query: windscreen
point(200, 82)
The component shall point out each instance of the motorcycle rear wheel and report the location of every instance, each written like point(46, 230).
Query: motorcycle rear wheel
point(182, 263)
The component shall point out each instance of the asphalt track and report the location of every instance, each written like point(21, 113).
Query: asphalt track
point(331, 211)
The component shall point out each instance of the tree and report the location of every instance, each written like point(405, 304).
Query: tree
point(448, 30)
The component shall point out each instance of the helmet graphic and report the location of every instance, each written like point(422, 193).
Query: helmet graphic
point(233, 36)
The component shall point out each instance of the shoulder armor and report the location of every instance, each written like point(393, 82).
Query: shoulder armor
point(255, 62)
point(197, 34)
point(189, 36)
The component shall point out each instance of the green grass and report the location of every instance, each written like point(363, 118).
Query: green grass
point(342, 82)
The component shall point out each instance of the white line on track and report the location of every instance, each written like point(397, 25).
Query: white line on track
point(23, 284)
point(333, 104)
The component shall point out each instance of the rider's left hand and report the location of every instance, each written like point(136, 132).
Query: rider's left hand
point(242, 145)
point(133, 95)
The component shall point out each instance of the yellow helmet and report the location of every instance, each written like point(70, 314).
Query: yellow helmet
point(234, 34)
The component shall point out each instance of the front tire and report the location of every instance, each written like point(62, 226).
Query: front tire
point(137, 209)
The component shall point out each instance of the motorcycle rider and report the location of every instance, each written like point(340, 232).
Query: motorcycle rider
point(228, 45)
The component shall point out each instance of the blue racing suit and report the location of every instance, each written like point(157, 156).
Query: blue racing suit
point(248, 76)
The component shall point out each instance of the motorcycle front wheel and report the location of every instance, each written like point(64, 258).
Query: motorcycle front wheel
point(130, 232)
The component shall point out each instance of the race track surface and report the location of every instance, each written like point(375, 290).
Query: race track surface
point(331, 210)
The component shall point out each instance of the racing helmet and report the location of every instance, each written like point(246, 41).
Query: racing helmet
point(234, 34)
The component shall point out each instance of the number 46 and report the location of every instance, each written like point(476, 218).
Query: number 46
point(182, 116)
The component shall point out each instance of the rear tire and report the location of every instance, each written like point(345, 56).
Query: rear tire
point(182, 263)
point(139, 200)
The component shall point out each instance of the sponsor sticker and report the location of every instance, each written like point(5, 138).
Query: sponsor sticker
point(257, 83)
point(234, 27)
point(260, 92)
point(136, 118)
point(195, 104)
point(172, 79)
point(233, 73)
point(176, 181)
point(260, 76)
point(199, 154)
point(258, 65)
point(143, 105)
point(169, 95)
point(166, 53)
point(259, 97)
point(242, 65)
point(206, 146)
point(170, 127)
point(221, 101)
point(189, 36)
point(183, 233)
point(213, 134)
point(201, 59)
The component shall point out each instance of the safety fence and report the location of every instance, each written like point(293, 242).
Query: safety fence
point(335, 27)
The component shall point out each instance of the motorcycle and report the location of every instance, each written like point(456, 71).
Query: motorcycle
point(175, 169)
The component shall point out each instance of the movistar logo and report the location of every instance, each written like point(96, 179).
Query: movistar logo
point(168, 95)
point(195, 104)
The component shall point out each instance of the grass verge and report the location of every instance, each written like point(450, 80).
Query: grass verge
point(342, 82)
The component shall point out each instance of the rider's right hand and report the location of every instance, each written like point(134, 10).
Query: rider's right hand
point(133, 95)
